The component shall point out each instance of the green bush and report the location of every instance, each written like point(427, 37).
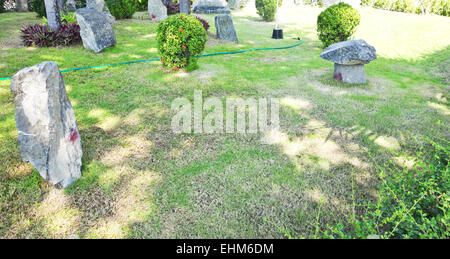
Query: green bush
point(412, 203)
point(267, 9)
point(337, 23)
point(122, 9)
point(180, 39)
point(142, 5)
point(2, 9)
point(79, 3)
point(439, 7)
point(38, 6)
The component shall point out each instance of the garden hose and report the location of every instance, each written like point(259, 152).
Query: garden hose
point(157, 59)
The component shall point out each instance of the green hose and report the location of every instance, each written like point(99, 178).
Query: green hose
point(157, 59)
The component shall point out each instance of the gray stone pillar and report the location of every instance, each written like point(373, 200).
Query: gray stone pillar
point(53, 15)
point(185, 6)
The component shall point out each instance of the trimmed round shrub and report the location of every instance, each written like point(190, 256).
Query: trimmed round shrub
point(267, 9)
point(337, 23)
point(122, 9)
point(180, 39)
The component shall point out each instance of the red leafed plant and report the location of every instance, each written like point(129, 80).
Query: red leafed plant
point(42, 36)
point(204, 23)
point(173, 8)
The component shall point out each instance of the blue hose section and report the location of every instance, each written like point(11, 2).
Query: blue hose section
point(157, 59)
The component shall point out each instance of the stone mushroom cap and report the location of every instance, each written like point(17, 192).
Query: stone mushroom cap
point(350, 52)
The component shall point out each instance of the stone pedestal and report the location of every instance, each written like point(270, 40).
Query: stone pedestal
point(210, 6)
point(349, 58)
point(353, 3)
point(352, 74)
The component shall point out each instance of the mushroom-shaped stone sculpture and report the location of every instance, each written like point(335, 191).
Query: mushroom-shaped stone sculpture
point(349, 58)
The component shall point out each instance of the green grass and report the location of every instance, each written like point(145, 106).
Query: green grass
point(143, 181)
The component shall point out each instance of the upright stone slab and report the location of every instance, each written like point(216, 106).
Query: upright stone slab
point(185, 6)
point(100, 6)
point(53, 14)
point(349, 58)
point(210, 6)
point(48, 133)
point(225, 28)
point(157, 10)
point(95, 29)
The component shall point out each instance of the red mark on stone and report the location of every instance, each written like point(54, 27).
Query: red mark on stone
point(338, 76)
point(73, 135)
point(153, 16)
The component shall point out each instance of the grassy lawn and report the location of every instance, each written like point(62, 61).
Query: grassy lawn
point(140, 180)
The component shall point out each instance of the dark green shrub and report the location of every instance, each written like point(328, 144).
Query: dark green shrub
point(80, 3)
point(142, 5)
point(337, 23)
point(122, 9)
point(2, 9)
point(180, 39)
point(412, 203)
point(440, 7)
point(267, 9)
point(38, 6)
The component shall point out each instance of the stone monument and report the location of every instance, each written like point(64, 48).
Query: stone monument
point(100, 6)
point(157, 10)
point(225, 28)
point(95, 29)
point(48, 132)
